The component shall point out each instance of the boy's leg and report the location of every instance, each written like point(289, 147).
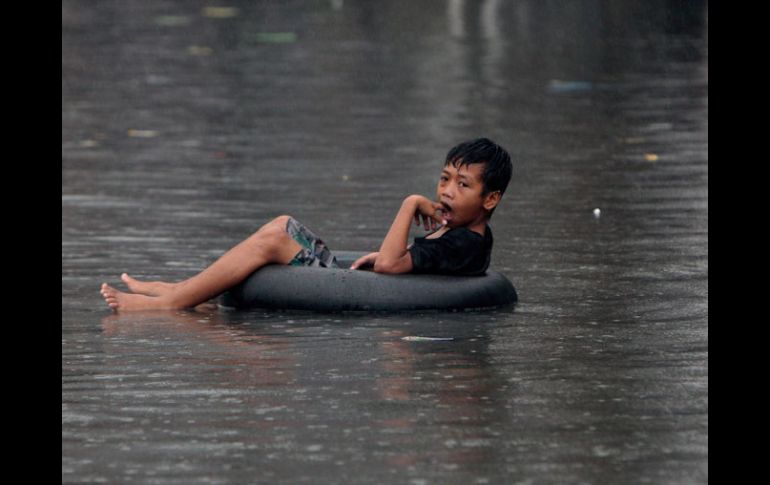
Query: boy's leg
point(271, 244)
point(149, 288)
point(160, 288)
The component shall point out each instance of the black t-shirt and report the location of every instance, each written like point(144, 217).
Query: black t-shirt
point(458, 251)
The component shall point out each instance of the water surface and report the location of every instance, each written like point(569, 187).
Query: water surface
point(185, 127)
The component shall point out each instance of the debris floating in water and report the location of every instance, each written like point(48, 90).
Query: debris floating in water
point(197, 50)
point(651, 157)
point(172, 20)
point(416, 338)
point(142, 133)
point(220, 12)
point(597, 213)
point(559, 86)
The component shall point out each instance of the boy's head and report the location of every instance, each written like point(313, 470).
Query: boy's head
point(475, 176)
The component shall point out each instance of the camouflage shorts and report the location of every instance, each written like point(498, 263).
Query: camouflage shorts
point(314, 251)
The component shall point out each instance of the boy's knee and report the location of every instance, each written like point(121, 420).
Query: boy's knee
point(273, 233)
point(275, 241)
point(281, 221)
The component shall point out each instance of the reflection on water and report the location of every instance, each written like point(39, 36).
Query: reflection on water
point(248, 387)
point(187, 125)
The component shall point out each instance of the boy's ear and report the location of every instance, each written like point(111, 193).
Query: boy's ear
point(492, 199)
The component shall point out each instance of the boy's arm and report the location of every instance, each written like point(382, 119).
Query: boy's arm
point(394, 257)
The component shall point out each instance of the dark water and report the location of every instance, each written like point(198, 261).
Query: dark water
point(185, 127)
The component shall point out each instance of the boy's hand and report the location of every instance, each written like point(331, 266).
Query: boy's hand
point(428, 210)
point(367, 260)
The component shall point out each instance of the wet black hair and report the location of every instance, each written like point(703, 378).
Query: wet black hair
point(497, 163)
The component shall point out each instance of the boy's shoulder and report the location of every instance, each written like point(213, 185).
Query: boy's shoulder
point(459, 237)
point(466, 232)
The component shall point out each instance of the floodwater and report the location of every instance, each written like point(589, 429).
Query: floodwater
point(187, 124)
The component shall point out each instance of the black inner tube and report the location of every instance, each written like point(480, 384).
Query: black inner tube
point(333, 290)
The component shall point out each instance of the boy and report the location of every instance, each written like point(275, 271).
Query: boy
point(475, 176)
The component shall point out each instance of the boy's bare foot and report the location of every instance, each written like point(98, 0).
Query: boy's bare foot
point(119, 301)
point(149, 288)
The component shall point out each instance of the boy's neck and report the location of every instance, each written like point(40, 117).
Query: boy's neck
point(479, 227)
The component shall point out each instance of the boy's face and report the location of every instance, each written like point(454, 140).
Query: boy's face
point(460, 191)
